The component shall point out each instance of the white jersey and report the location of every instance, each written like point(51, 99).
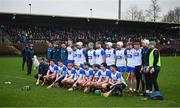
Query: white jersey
point(138, 57)
point(79, 73)
point(70, 53)
point(110, 56)
point(75, 57)
point(53, 68)
point(61, 70)
point(97, 75)
point(105, 74)
point(79, 56)
point(115, 76)
point(89, 73)
point(71, 72)
point(130, 57)
point(120, 57)
point(91, 57)
point(99, 53)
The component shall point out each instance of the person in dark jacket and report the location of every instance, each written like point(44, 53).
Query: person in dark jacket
point(145, 63)
point(24, 53)
point(50, 51)
point(56, 53)
point(42, 70)
point(138, 68)
point(64, 53)
point(29, 55)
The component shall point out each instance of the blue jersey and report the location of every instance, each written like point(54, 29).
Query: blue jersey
point(105, 74)
point(89, 73)
point(115, 76)
point(70, 72)
point(80, 73)
point(62, 70)
point(53, 68)
point(97, 75)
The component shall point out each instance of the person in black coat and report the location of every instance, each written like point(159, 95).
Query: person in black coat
point(29, 55)
point(24, 53)
point(42, 70)
point(56, 53)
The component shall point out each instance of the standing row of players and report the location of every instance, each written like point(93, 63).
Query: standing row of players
point(141, 64)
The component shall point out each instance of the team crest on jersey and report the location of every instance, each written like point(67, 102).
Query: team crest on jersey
point(136, 54)
point(129, 55)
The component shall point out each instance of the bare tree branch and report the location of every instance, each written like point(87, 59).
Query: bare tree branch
point(135, 14)
point(172, 16)
point(153, 11)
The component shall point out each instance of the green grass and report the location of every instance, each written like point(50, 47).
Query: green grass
point(12, 95)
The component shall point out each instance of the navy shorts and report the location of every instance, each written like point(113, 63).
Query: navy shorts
point(129, 69)
point(121, 68)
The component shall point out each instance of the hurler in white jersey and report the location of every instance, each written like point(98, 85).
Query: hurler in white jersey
point(109, 54)
point(120, 58)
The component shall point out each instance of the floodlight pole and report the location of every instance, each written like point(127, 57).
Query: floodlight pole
point(91, 11)
point(119, 10)
point(30, 8)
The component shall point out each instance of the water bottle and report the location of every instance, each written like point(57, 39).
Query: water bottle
point(7, 82)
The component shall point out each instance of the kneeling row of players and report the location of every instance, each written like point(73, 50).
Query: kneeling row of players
point(75, 77)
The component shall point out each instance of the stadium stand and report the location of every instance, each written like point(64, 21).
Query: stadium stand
point(23, 29)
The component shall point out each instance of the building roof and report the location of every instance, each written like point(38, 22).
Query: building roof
point(34, 18)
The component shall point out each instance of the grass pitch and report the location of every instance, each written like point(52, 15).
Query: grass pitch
point(11, 95)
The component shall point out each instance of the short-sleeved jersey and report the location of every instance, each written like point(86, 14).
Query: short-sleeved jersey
point(70, 53)
point(110, 56)
point(79, 56)
point(115, 76)
point(120, 57)
point(130, 57)
point(138, 57)
point(79, 73)
point(61, 70)
point(99, 53)
point(105, 74)
point(53, 68)
point(97, 75)
point(91, 57)
point(89, 73)
point(71, 72)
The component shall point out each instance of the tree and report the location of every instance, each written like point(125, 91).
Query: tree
point(135, 14)
point(172, 16)
point(153, 11)
point(140, 15)
point(177, 15)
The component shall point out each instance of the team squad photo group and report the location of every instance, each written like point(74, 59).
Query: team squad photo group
point(103, 69)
